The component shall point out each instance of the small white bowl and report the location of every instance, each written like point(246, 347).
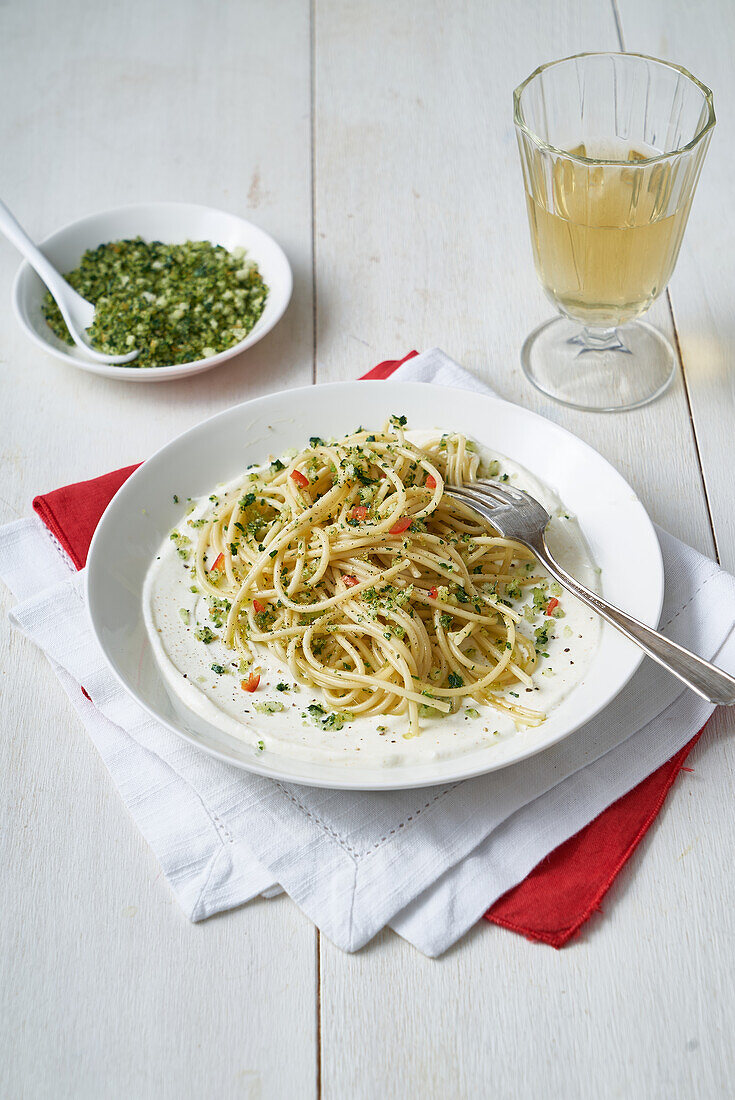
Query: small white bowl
point(172, 223)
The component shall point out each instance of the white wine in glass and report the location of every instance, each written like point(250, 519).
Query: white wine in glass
point(611, 147)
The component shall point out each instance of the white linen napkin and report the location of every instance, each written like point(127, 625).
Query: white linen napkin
point(427, 862)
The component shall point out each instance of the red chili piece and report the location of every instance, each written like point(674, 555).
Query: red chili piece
point(350, 580)
point(251, 683)
point(359, 512)
point(301, 480)
point(431, 482)
point(219, 563)
point(258, 607)
point(401, 526)
point(434, 593)
point(553, 602)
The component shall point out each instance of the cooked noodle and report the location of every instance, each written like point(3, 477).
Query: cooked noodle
point(315, 561)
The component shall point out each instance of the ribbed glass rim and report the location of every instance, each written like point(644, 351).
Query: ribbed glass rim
point(521, 125)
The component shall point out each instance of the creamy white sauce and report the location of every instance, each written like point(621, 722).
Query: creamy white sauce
point(187, 662)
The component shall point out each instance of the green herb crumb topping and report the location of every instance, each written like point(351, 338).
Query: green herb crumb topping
point(173, 302)
point(269, 707)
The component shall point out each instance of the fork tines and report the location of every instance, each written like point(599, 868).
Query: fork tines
point(487, 492)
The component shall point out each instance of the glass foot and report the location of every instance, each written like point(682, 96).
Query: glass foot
point(598, 371)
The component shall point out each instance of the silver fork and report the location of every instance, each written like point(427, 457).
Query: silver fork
point(516, 515)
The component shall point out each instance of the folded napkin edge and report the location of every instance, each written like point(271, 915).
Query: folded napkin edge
point(558, 936)
point(391, 366)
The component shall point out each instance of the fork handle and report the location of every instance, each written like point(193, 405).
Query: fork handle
point(701, 676)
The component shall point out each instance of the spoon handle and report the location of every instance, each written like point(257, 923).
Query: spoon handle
point(701, 676)
point(77, 312)
point(18, 236)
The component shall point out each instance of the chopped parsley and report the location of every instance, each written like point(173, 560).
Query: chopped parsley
point(268, 706)
point(540, 598)
point(427, 711)
point(175, 303)
point(326, 721)
point(182, 544)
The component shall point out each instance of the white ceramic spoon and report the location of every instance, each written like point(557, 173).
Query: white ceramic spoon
point(76, 311)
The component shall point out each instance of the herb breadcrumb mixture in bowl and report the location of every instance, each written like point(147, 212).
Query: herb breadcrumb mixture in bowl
point(176, 303)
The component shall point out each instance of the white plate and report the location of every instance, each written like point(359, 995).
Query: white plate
point(172, 223)
point(620, 536)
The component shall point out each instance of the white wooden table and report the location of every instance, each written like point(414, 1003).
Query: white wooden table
point(374, 140)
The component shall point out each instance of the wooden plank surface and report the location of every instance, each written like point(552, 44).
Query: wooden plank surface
point(700, 36)
point(421, 233)
point(420, 238)
point(109, 991)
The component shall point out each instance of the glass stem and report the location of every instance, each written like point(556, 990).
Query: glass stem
point(600, 339)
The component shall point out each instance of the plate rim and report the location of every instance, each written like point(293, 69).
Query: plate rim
point(155, 374)
point(457, 773)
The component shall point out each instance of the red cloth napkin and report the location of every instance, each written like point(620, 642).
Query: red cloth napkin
point(566, 888)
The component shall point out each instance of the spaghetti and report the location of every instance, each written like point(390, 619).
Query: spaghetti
point(349, 564)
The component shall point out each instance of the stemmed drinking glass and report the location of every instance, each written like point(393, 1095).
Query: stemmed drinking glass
point(611, 148)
